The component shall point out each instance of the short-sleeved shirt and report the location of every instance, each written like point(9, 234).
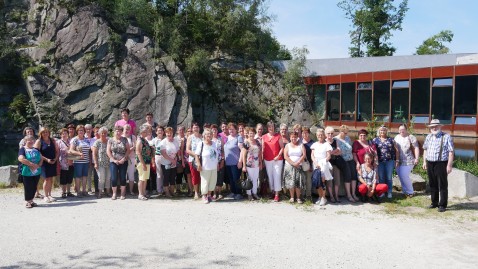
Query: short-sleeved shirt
point(131, 122)
point(33, 155)
point(432, 146)
point(102, 157)
point(271, 146)
point(232, 150)
point(84, 144)
point(157, 145)
point(385, 149)
point(218, 142)
point(252, 156)
point(194, 143)
point(64, 147)
point(404, 146)
point(145, 151)
point(369, 177)
point(360, 150)
point(320, 150)
point(210, 155)
point(171, 149)
point(345, 147)
point(118, 148)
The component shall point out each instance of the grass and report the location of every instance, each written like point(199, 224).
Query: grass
point(3, 185)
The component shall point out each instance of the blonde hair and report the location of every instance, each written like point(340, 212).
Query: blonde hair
point(343, 128)
point(43, 130)
point(329, 129)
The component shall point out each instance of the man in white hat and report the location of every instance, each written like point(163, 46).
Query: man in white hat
point(438, 161)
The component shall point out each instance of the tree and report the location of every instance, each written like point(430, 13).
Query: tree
point(372, 24)
point(434, 44)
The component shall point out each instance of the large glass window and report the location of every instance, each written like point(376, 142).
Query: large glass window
point(364, 105)
point(442, 101)
point(400, 101)
point(348, 101)
point(333, 102)
point(465, 95)
point(319, 101)
point(420, 98)
point(381, 97)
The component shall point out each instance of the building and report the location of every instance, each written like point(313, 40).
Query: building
point(397, 89)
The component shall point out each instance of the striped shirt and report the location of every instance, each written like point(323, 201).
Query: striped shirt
point(84, 145)
point(432, 146)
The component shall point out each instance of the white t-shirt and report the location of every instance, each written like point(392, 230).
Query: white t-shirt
point(210, 155)
point(320, 150)
point(171, 148)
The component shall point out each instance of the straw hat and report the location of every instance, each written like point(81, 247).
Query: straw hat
point(434, 122)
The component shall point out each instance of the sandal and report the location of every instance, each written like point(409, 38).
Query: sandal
point(299, 201)
point(39, 196)
point(63, 195)
point(34, 204)
point(291, 200)
point(351, 199)
point(28, 205)
point(113, 197)
point(122, 198)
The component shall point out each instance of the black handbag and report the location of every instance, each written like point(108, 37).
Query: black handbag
point(245, 183)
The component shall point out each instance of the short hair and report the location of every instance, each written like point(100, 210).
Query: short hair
point(283, 125)
point(103, 129)
point(119, 128)
point(343, 128)
point(362, 131)
point(126, 126)
point(329, 129)
point(149, 114)
point(213, 126)
point(178, 127)
point(320, 130)
point(206, 125)
point(98, 126)
point(125, 110)
point(161, 127)
point(294, 133)
point(232, 124)
point(195, 124)
point(369, 154)
point(259, 125)
point(28, 128)
point(297, 126)
point(88, 126)
point(63, 130)
point(403, 125)
point(306, 129)
point(241, 124)
point(71, 125)
point(380, 128)
point(29, 137)
point(270, 124)
point(143, 128)
point(169, 130)
point(250, 129)
point(206, 131)
point(80, 127)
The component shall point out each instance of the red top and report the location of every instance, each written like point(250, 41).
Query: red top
point(271, 146)
point(358, 149)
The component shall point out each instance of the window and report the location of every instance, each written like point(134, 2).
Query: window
point(364, 86)
point(465, 120)
point(442, 100)
point(348, 101)
point(381, 97)
point(420, 96)
point(399, 105)
point(364, 105)
point(333, 102)
point(400, 84)
point(465, 95)
point(442, 82)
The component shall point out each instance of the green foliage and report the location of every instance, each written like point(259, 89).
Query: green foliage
point(372, 24)
point(292, 79)
point(197, 64)
point(20, 110)
point(372, 127)
point(34, 70)
point(435, 44)
point(418, 169)
point(470, 166)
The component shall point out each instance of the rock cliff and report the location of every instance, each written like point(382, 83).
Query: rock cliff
point(83, 71)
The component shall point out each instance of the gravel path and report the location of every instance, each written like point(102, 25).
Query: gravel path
point(160, 233)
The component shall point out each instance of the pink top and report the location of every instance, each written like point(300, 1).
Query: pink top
point(358, 149)
point(223, 138)
point(271, 146)
point(130, 122)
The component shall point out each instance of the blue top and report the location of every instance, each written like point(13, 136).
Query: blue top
point(232, 151)
point(33, 155)
point(346, 148)
point(432, 146)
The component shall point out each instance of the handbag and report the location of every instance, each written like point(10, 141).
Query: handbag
point(305, 165)
point(245, 184)
point(195, 164)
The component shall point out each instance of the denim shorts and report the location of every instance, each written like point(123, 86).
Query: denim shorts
point(81, 169)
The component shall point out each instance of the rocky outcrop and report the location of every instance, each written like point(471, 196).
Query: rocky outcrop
point(83, 71)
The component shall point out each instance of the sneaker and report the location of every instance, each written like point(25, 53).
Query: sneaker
point(299, 201)
point(238, 197)
point(231, 195)
point(389, 195)
point(51, 199)
point(323, 201)
point(276, 198)
point(46, 200)
point(205, 200)
point(196, 197)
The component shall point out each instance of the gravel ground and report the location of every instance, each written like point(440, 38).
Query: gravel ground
point(182, 233)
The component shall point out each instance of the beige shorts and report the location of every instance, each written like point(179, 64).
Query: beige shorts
point(143, 175)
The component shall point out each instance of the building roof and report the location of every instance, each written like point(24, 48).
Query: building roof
point(326, 67)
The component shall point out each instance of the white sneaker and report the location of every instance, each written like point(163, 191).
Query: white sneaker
point(389, 196)
point(323, 201)
point(205, 200)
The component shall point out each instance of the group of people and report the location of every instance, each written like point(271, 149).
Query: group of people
point(213, 161)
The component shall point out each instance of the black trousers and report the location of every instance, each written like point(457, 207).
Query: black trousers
point(438, 179)
point(30, 186)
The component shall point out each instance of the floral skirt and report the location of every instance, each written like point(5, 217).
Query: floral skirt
point(293, 177)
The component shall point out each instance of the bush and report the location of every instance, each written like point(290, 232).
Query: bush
point(470, 166)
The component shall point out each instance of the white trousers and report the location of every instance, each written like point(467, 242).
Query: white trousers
point(274, 172)
point(253, 174)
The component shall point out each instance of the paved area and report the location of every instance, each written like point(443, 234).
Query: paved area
point(182, 233)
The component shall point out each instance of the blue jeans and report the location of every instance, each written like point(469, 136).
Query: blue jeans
point(118, 172)
point(233, 173)
point(385, 170)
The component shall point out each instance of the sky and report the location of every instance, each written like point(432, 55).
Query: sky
point(322, 27)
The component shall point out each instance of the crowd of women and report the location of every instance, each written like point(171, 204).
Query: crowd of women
point(212, 162)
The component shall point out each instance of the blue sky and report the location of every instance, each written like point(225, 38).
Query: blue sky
point(322, 27)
